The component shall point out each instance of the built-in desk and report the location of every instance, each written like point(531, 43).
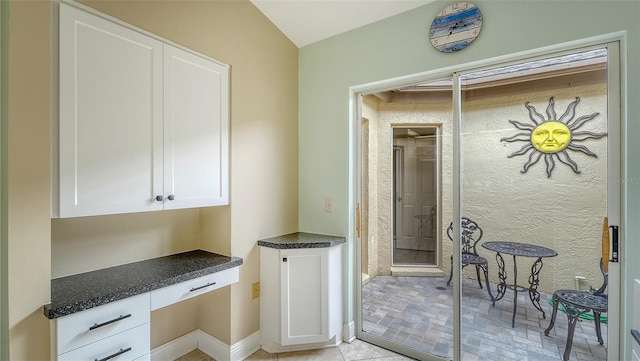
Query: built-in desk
point(105, 313)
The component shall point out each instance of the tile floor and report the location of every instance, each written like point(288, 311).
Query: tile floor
point(418, 312)
point(355, 351)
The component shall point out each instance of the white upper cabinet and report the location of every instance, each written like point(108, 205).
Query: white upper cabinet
point(196, 130)
point(142, 126)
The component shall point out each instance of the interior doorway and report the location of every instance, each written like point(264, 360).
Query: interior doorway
point(416, 180)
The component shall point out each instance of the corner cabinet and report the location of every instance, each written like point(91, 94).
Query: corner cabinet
point(143, 125)
point(301, 294)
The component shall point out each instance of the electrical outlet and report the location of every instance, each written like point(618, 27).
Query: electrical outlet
point(255, 290)
point(328, 204)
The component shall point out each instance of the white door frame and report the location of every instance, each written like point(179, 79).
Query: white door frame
point(617, 45)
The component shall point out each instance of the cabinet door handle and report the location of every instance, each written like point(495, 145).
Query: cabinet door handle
point(201, 287)
point(159, 198)
point(170, 197)
point(98, 325)
point(122, 350)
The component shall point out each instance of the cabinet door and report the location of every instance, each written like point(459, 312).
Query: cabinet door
point(110, 123)
point(304, 296)
point(196, 124)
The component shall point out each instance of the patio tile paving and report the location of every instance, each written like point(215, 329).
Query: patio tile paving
point(418, 312)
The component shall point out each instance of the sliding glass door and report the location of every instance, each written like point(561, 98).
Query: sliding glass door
point(491, 205)
point(534, 178)
point(405, 301)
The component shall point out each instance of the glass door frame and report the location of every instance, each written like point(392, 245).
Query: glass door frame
point(615, 42)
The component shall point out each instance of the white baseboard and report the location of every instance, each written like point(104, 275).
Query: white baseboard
point(176, 348)
point(349, 331)
point(208, 344)
point(213, 347)
point(245, 347)
point(272, 347)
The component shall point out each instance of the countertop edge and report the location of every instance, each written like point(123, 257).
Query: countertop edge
point(326, 244)
point(299, 240)
point(71, 308)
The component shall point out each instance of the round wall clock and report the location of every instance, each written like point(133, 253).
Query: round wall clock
point(455, 27)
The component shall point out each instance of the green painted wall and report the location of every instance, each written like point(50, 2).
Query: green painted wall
point(399, 46)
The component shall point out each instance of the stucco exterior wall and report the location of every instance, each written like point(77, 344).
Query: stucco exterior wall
point(563, 212)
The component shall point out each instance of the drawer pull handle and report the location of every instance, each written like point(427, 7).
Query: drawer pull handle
point(125, 350)
point(201, 287)
point(98, 325)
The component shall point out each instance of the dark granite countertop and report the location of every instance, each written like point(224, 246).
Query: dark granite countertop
point(301, 240)
point(82, 291)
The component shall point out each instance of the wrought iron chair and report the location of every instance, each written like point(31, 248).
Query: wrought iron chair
point(471, 234)
point(578, 304)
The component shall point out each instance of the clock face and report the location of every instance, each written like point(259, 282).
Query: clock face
point(455, 27)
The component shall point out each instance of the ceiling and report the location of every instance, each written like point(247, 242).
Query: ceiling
point(307, 21)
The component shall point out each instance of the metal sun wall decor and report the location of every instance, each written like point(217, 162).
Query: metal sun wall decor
point(552, 137)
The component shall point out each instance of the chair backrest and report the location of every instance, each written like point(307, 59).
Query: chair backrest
point(605, 276)
point(471, 234)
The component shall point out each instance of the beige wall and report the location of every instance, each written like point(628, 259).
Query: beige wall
point(263, 163)
point(29, 240)
point(89, 243)
point(564, 212)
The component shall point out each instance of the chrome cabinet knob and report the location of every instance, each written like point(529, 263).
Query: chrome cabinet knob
point(170, 197)
point(159, 198)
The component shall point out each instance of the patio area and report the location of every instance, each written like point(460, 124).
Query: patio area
point(418, 312)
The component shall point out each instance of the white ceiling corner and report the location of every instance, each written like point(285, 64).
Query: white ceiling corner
point(307, 21)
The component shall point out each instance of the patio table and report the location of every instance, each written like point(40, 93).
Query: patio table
point(523, 250)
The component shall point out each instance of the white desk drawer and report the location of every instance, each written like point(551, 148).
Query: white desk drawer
point(181, 291)
point(82, 328)
point(125, 346)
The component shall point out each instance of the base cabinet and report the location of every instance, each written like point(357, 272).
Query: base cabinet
point(301, 297)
